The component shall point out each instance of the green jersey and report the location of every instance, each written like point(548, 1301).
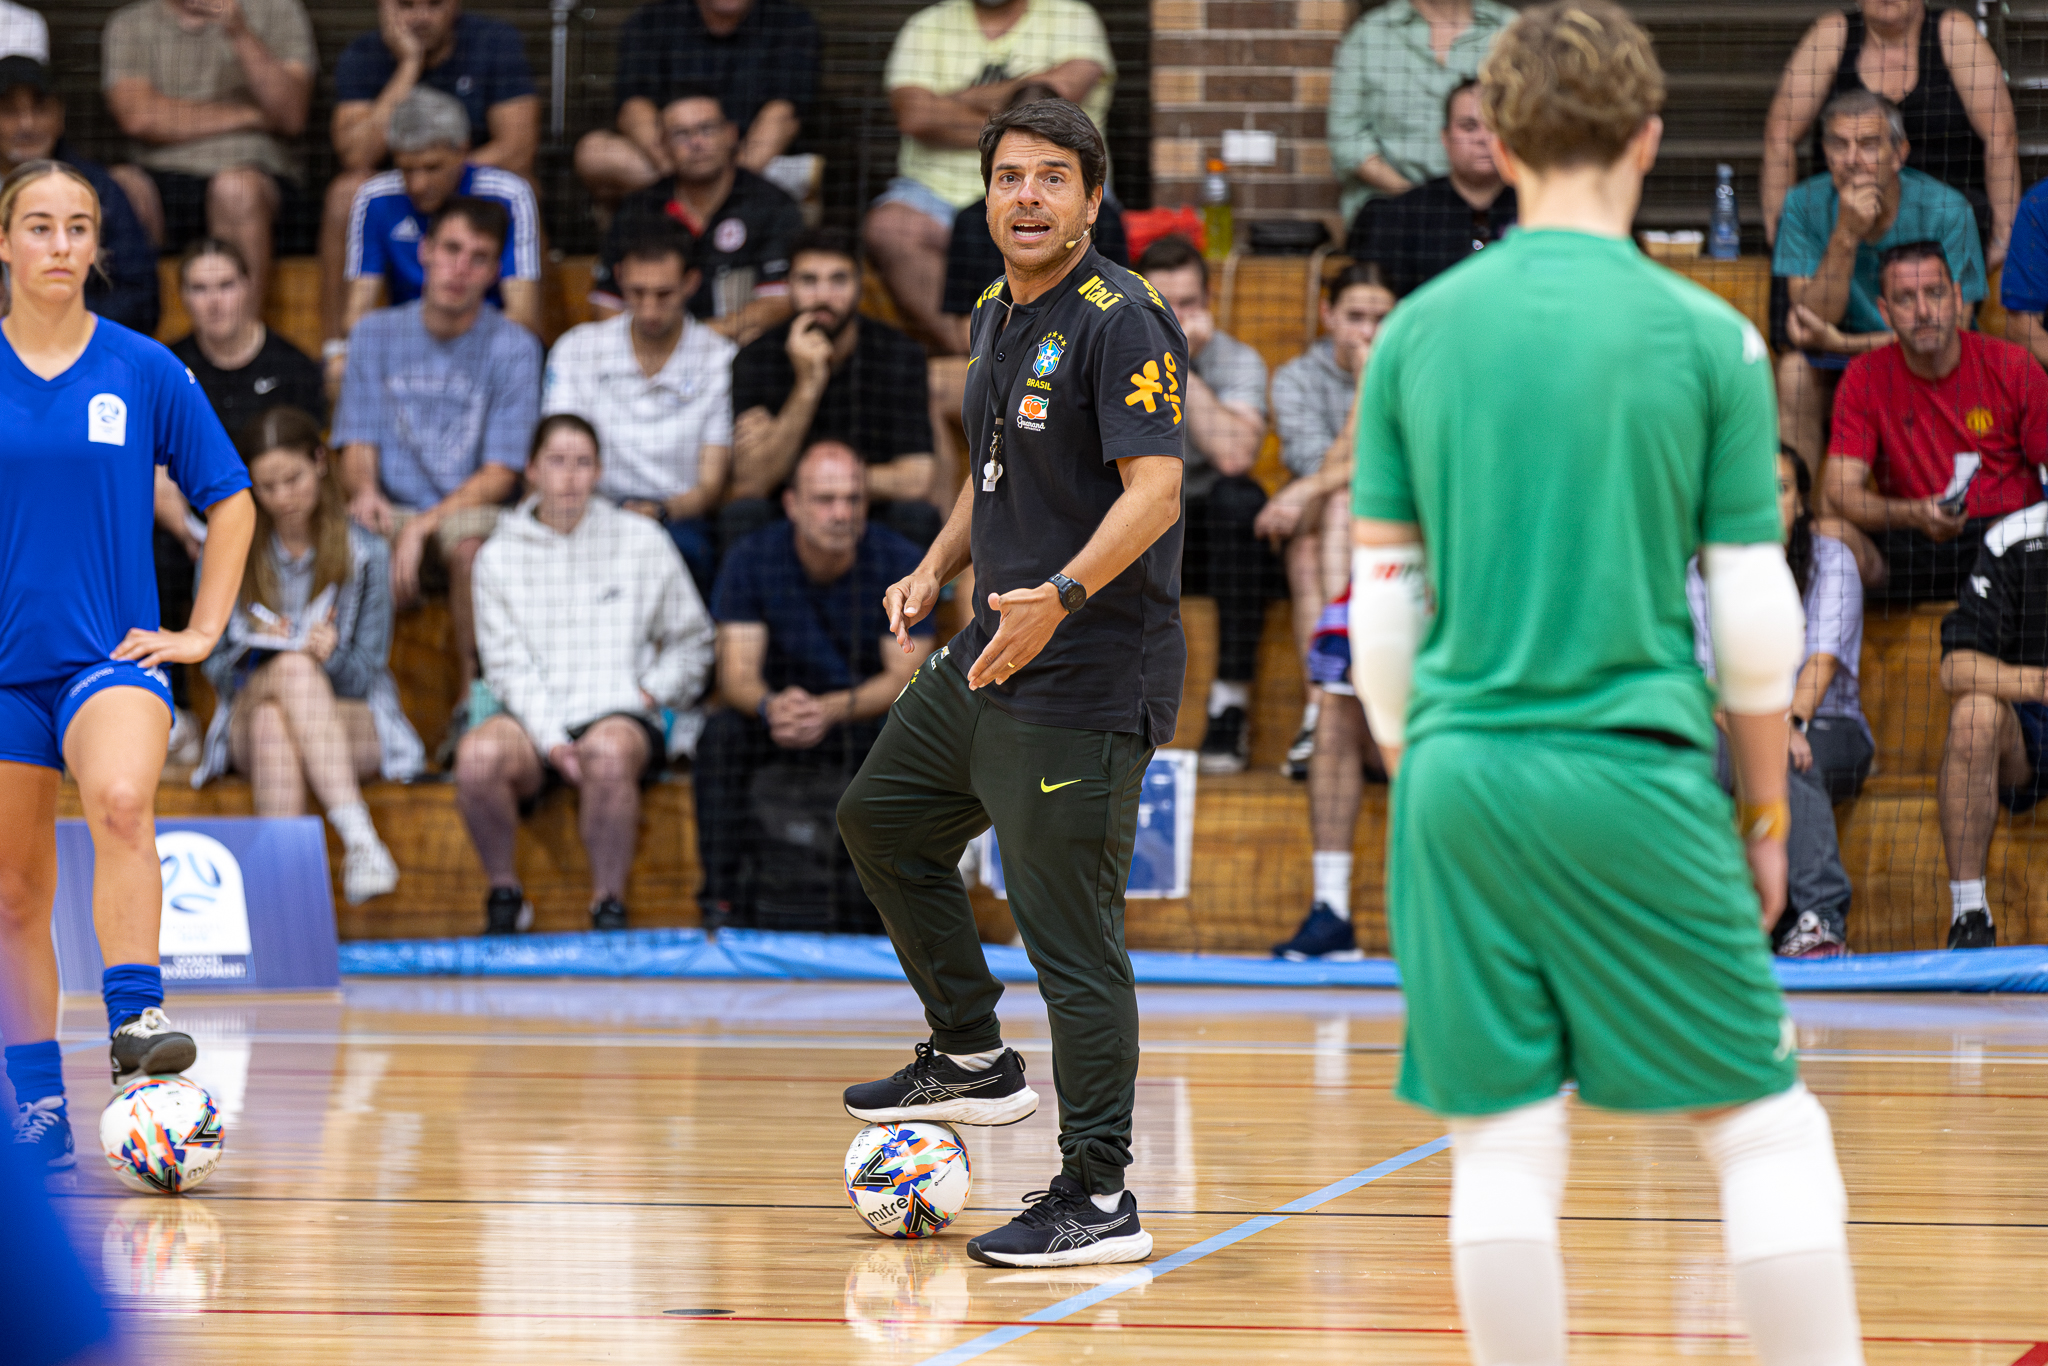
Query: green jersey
point(1568, 422)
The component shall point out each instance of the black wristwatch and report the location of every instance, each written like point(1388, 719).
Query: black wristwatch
point(1072, 595)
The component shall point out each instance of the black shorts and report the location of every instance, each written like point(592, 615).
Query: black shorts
point(2033, 719)
point(657, 756)
point(294, 232)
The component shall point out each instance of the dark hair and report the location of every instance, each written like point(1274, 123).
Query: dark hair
point(212, 246)
point(657, 241)
point(1352, 276)
point(553, 423)
point(1910, 251)
point(824, 242)
point(693, 92)
point(1469, 83)
point(1799, 536)
point(1061, 123)
point(1172, 252)
point(486, 217)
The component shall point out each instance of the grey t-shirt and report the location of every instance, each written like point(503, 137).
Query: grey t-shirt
point(1236, 374)
point(145, 41)
point(1312, 395)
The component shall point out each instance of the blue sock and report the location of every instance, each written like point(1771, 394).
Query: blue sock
point(129, 989)
point(35, 1070)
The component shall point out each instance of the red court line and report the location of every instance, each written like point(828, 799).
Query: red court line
point(2038, 1356)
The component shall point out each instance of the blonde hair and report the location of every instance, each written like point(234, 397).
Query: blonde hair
point(1570, 83)
point(285, 428)
point(27, 174)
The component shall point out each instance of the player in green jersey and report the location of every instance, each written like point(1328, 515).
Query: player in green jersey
point(1546, 434)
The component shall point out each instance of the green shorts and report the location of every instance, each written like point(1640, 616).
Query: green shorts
point(1576, 906)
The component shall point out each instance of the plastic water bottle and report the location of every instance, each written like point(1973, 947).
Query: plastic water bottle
point(1217, 230)
point(1724, 228)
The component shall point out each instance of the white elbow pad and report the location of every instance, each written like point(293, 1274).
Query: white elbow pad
point(1389, 612)
point(1758, 626)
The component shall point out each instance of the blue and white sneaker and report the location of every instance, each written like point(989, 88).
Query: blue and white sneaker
point(1324, 937)
point(42, 1133)
point(1064, 1228)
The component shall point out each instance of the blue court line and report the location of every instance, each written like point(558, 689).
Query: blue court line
point(71, 1048)
point(1146, 1274)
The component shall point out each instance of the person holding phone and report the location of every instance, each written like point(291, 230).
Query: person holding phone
point(1909, 421)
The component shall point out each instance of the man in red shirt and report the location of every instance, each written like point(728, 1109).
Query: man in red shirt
point(1912, 420)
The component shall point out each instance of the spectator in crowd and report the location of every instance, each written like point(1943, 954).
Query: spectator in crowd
point(431, 45)
point(1829, 744)
point(244, 368)
point(1419, 235)
point(436, 406)
point(656, 384)
point(1903, 412)
point(973, 262)
point(593, 641)
point(1220, 557)
point(831, 374)
point(1393, 71)
point(740, 226)
point(1955, 111)
point(1994, 664)
point(806, 667)
point(2023, 288)
point(302, 673)
point(1344, 759)
point(758, 58)
point(24, 32)
point(1833, 230)
point(429, 141)
point(1312, 399)
point(954, 64)
point(211, 90)
point(124, 288)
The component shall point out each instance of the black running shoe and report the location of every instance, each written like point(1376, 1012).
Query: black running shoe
point(934, 1087)
point(146, 1045)
point(507, 911)
point(1324, 936)
point(1064, 1228)
point(1226, 743)
point(42, 1134)
point(1973, 930)
point(608, 914)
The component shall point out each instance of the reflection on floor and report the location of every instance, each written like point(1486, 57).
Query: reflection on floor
point(457, 1171)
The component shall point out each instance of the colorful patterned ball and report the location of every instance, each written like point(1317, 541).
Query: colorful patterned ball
point(161, 1134)
point(907, 1180)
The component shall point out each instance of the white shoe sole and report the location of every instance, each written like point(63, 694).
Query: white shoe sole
point(1134, 1248)
point(989, 1114)
point(1213, 764)
point(1334, 956)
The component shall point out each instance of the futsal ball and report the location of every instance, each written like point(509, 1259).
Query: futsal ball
point(907, 1180)
point(161, 1134)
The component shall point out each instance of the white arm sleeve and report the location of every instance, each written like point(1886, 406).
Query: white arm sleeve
point(1389, 611)
point(1758, 626)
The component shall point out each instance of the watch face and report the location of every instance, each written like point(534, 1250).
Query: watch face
point(1072, 595)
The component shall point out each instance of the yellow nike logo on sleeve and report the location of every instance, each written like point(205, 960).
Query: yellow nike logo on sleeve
point(1043, 787)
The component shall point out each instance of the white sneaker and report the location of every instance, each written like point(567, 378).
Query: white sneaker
point(186, 738)
point(368, 871)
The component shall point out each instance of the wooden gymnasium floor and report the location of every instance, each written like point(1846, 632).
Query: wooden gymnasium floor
point(557, 1171)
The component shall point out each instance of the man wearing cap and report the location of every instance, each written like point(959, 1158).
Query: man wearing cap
point(32, 129)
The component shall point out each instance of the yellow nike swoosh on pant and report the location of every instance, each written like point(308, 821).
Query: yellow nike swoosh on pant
point(1056, 786)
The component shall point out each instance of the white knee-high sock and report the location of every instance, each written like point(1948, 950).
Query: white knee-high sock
point(1507, 1183)
point(1783, 1209)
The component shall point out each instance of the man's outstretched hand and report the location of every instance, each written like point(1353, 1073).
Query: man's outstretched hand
point(1030, 615)
point(908, 601)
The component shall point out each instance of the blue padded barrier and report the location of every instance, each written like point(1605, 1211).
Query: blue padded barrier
point(862, 958)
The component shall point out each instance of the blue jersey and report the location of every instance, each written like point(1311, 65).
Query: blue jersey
point(78, 457)
point(385, 230)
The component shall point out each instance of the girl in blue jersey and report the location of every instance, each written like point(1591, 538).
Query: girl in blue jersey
point(88, 409)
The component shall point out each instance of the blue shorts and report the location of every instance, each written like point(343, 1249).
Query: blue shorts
point(2033, 719)
point(34, 716)
point(917, 195)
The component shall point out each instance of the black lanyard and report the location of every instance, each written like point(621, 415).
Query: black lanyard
point(992, 471)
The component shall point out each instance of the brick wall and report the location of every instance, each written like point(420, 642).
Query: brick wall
point(1264, 64)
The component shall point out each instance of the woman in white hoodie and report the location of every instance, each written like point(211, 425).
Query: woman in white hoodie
point(596, 644)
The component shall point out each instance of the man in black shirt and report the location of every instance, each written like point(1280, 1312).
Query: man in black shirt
point(1041, 715)
point(741, 227)
point(759, 57)
point(1994, 664)
point(829, 374)
point(1419, 235)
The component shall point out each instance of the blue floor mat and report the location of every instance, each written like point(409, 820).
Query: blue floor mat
point(863, 958)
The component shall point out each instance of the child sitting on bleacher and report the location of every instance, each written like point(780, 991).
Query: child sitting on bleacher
point(302, 671)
